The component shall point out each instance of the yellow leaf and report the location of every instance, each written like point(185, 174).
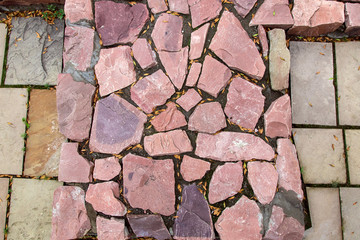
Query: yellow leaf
point(333, 147)
point(336, 138)
point(49, 38)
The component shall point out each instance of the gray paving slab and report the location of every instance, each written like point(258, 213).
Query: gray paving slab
point(350, 211)
point(4, 185)
point(3, 33)
point(353, 153)
point(312, 89)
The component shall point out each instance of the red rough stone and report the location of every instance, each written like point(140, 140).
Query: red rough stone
point(225, 182)
point(149, 184)
point(110, 229)
point(214, 76)
point(287, 165)
point(106, 168)
point(148, 225)
point(193, 75)
point(189, 99)
point(203, 11)
point(170, 119)
point(104, 198)
point(72, 166)
point(180, 6)
point(208, 118)
point(69, 217)
point(245, 103)
point(243, 7)
point(115, 69)
point(167, 143)
point(263, 40)
point(76, 10)
point(175, 64)
point(193, 169)
point(352, 16)
point(278, 118)
point(248, 222)
point(263, 179)
point(167, 33)
point(152, 91)
point(74, 107)
point(157, 6)
point(143, 53)
point(197, 41)
point(231, 43)
point(232, 146)
point(274, 14)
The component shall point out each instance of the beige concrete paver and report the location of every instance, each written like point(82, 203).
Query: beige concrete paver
point(3, 33)
point(4, 186)
point(350, 211)
point(353, 152)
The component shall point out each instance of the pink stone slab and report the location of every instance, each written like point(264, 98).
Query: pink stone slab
point(143, 53)
point(170, 119)
point(76, 10)
point(189, 99)
point(193, 75)
point(197, 41)
point(192, 169)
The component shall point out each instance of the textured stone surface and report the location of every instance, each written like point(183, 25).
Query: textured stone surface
point(263, 40)
point(3, 34)
point(193, 75)
point(352, 18)
point(74, 107)
point(31, 219)
point(115, 69)
point(170, 119)
point(69, 216)
point(192, 169)
point(197, 41)
point(76, 10)
point(194, 218)
point(214, 76)
point(180, 6)
point(226, 181)
point(152, 91)
point(232, 146)
point(248, 221)
point(231, 43)
point(104, 198)
point(203, 11)
point(278, 118)
point(208, 118)
point(175, 64)
point(149, 226)
point(157, 6)
point(167, 143)
point(44, 141)
point(243, 7)
point(167, 33)
point(348, 62)
point(287, 165)
point(149, 184)
point(353, 146)
point(245, 103)
point(117, 125)
point(73, 167)
point(189, 100)
point(106, 168)
point(279, 60)
point(119, 22)
point(274, 14)
point(27, 60)
point(4, 185)
point(13, 109)
point(143, 53)
point(350, 212)
point(312, 88)
point(110, 229)
point(321, 156)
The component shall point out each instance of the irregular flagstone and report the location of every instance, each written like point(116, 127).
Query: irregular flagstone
point(180, 6)
point(119, 22)
point(231, 43)
point(248, 222)
point(263, 40)
point(104, 198)
point(203, 11)
point(243, 7)
point(106, 168)
point(74, 107)
point(279, 60)
point(4, 190)
point(214, 76)
point(274, 14)
point(287, 165)
point(167, 143)
point(149, 184)
point(143, 53)
point(76, 10)
point(117, 125)
point(175, 64)
point(226, 181)
point(194, 74)
point(110, 229)
point(208, 118)
point(115, 69)
point(69, 216)
point(352, 18)
point(189, 100)
point(263, 179)
point(157, 6)
point(232, 146)
point(170, 119)
point(193, 169)
point(194, 218)
point(245, 103)
point(73, 167)
point(148, 226)
point(167, 33)
point(197, 41)
point(152, 91)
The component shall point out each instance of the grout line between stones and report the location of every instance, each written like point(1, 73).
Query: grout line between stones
point(335, 84)
point(8, 202)
point(346, 159)
point(341, 217)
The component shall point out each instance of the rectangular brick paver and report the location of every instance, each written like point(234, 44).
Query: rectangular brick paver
point(350, 211)
point(4, 185)
point(353, 151)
